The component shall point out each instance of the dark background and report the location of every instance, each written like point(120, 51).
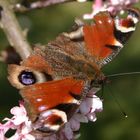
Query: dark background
point(45, 25)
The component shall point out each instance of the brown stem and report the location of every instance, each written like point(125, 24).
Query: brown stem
point(13, 31)
point(39, 4)
point(47, 3)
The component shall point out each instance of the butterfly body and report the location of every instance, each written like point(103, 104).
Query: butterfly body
point(55, 78)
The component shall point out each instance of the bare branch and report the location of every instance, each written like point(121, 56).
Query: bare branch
point(39, 4)
point(46, 3)
point(13, 31)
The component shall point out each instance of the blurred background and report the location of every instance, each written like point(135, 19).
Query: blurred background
point(44, 25)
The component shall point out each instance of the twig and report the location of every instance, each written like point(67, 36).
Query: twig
point(39, 4)
point(46, 3)
point(13, 31)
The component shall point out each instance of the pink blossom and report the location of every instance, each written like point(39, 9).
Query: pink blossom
point(123, 2)
point(96, 7)
point(112, 6)
point(20, 115)
point(2, 132)
point(91, 105)
point(81, 0)
point(20, 121)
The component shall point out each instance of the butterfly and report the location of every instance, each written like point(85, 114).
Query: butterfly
point(55, 78)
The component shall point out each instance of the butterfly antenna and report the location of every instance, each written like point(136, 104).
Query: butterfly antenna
point(123, 74)
point(117, 102)
point(114, 97)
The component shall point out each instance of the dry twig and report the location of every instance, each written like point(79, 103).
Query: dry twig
point(13, 31)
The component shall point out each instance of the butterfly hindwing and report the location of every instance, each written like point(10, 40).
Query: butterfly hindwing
point(62, 96)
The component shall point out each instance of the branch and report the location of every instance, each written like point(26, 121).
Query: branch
point(47, 3)
point(39, 4)
point(13, 31)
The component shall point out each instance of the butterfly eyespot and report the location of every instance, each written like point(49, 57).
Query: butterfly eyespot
point(27, 78)
point(20, 76)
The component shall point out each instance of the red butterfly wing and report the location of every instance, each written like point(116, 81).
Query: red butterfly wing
point(105, 38)
point(52, 103)
point(100, 34)
point(49, 94)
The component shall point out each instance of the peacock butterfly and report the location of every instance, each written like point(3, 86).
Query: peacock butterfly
point(55, 78)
